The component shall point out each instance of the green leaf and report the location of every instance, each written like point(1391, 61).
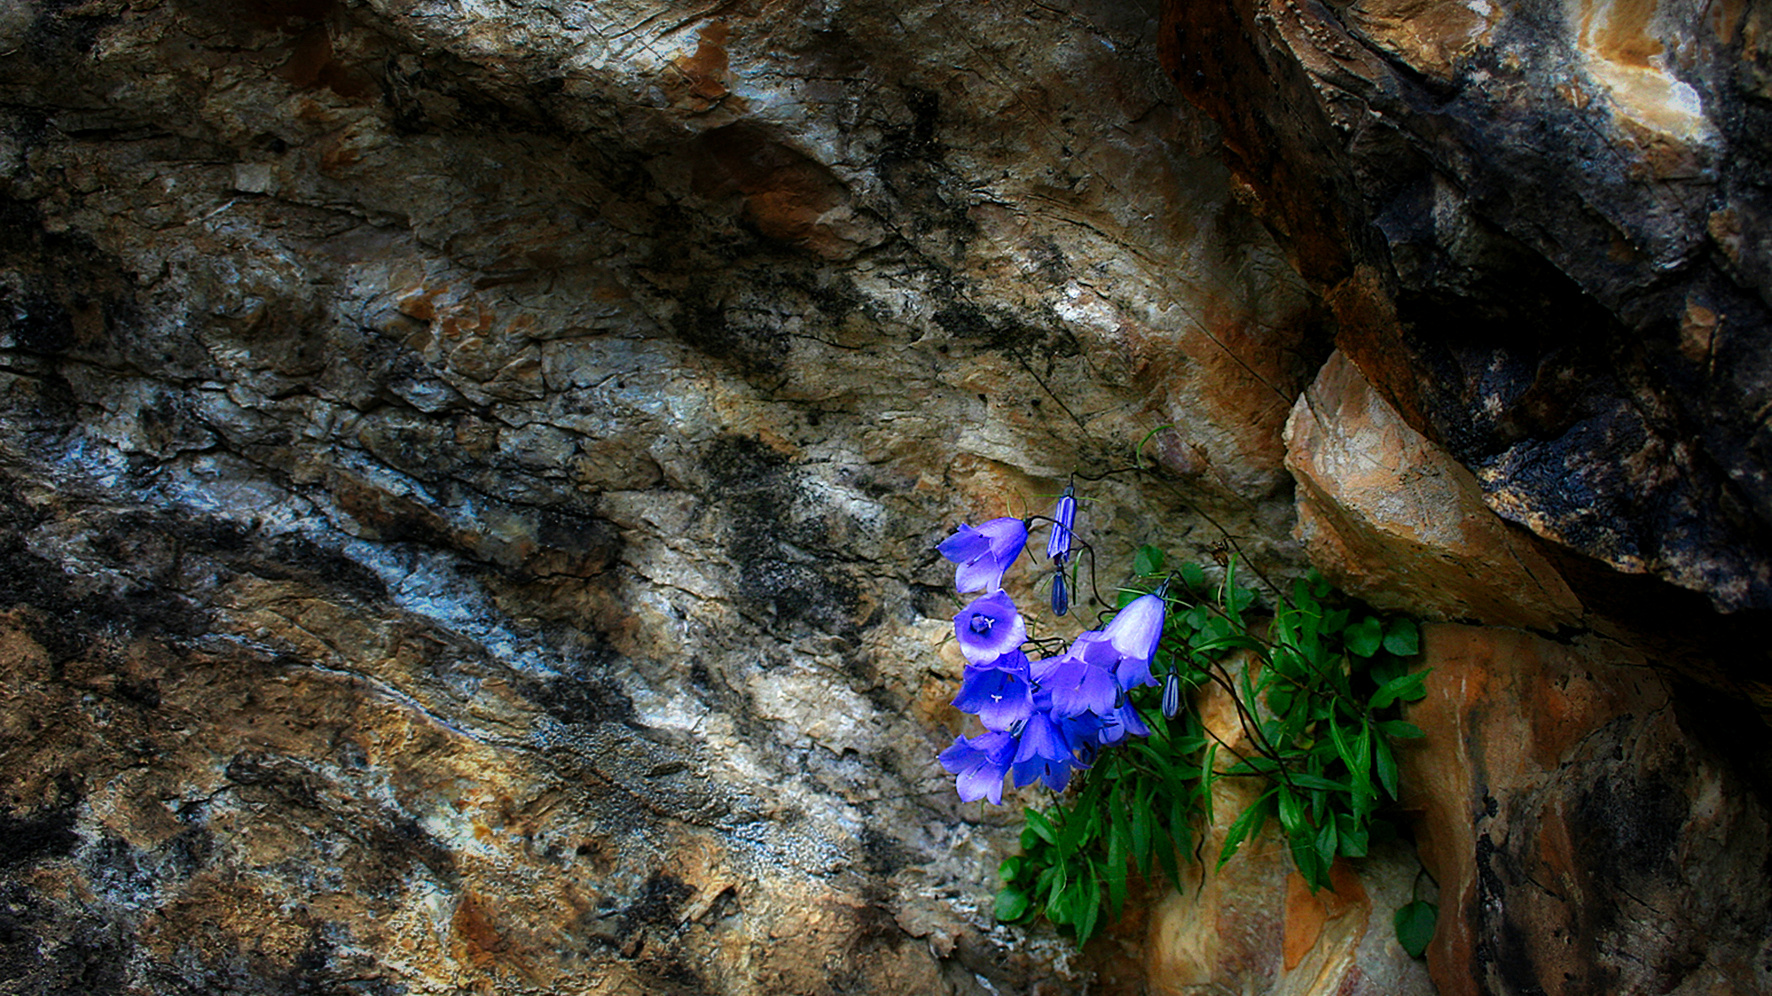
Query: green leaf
point(1399, 730)
point(1248, 822)
point(1012, 905)
point(1147, 561)
point(1011, 868)
point(1193, 576)
point(1316, 783)
point(1364, 637)
point(1327, 841)
point(1415, 923)
point(1291, 812)
point(1091, 909)
point(1355, 839)
point(1041, 826)
point(1304, 858)
point(1141, 836)
point(1387, 767)
point(1407, 687)
point(1401, 638)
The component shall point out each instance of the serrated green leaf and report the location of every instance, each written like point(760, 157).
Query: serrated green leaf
point(1415, 923)
point(1364, 637)
point(1012, 905)
point(1402, 638)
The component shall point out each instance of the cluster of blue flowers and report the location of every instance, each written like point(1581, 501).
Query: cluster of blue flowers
point(1042, 718)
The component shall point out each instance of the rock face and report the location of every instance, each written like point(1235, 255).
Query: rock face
point(1591, 831)
point(469, 471)
point(1534, 226)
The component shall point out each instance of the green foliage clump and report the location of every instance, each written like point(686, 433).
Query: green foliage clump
point(1317, 689)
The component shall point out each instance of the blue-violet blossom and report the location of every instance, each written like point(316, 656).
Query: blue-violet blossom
point(1138, 627)
point(980, 762)
point(984, 553)
point(999, 693)
point(989, 627)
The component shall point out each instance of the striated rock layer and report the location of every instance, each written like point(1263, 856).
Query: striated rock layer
point(470, 473)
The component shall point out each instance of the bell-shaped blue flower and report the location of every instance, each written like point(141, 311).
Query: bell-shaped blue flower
point(984, 553)
point(1000, 693)
point(1138, 627)
point(989, 627)
point(1121, 723)
point(980, 763)
point(1058, 545)
point(1045, 753)
point(1081, 679)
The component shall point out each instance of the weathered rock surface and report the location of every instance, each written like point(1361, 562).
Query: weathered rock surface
point(1387, 515)
point(1593, 828)
point(1255, 926)
point(1535, 228)
point(470, 473)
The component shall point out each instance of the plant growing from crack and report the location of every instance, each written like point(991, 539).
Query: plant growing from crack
point(1316, 687)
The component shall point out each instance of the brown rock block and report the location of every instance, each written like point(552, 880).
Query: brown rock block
point(1389, 516)
point(1586, 832)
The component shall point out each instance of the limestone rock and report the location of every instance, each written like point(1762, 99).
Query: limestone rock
point(470, 473)
point(1254, 925)
point(1391, 517)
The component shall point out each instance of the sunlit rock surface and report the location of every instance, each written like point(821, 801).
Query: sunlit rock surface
point(1591, 825)
point(471, 473)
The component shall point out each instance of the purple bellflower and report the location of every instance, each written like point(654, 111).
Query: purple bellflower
point(1081, 679)
point(1138, 627)
point(1123, 721)
point(1046, 753)
point(989, 627)
point(980, 762)
point(984, 553)
point(999, 693)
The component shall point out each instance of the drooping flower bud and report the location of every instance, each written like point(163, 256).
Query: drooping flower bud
point(1172, 696)
point(1058, 545)
point(1061, 599)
